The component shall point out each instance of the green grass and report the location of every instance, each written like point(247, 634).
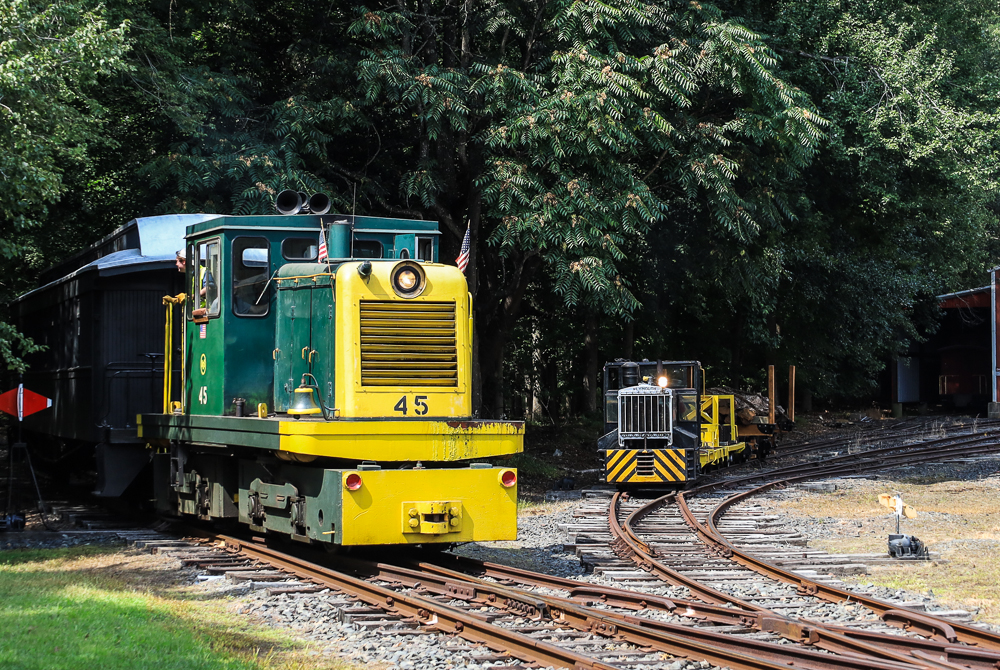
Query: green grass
point(95, 609)
point(527, 464)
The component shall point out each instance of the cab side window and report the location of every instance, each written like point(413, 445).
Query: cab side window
point(251, 263)
point(367, 249)
point(425, 249)
point(299, 248)
point(190, 262)
point(687, 406)
point(205, 277)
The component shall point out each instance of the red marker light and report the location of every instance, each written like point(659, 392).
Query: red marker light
point(508, 478)
point(353, 481)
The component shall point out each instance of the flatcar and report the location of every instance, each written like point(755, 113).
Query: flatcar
point(662, 430)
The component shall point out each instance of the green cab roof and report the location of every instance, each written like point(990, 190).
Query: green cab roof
point(311, 223)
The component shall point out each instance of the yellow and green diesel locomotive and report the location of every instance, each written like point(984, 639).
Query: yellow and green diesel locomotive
point(662, 430)
point(330, 401)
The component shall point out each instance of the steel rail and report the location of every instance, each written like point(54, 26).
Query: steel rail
point(430, 613)
point(944, 449)
point(817, 633)
point(608, 595)
point(675, 639)
point(866, 441)
point(879, 435)
point(927, 625)
point(628, 544)
point(859, 463)
point(669, 638)
point(842, 439)
point(733, 616)
point(823, 636)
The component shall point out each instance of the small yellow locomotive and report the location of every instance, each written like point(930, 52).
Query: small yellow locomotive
point(329, 400)
point(661, 430)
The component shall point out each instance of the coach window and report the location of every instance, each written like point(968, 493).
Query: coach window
point(251, 262)
point(367, 249)
point(300, 248)
point(205, 282)
point(425, 249)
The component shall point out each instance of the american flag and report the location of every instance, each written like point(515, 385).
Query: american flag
point(463, 258)
point(323, 254)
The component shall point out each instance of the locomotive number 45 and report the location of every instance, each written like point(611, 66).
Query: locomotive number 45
point(419, 405)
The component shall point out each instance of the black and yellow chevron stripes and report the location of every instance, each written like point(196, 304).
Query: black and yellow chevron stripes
point(633, 466)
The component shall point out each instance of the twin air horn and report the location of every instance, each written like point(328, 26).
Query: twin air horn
point(296, 202)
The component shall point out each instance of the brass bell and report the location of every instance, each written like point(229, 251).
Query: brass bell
point(304, 402)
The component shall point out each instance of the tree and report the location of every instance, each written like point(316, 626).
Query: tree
point(53, 56)
point(902, 199)
point(558, 131)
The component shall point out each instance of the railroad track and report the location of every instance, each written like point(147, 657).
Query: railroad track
point(907, 429)
point(527, 615)
point(691, 580)
point(682, 540)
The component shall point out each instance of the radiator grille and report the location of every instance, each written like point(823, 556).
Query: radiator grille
point(408, 344)
point(644, 466)
point(644, 412)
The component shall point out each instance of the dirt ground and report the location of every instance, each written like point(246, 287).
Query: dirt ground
point(958, 518)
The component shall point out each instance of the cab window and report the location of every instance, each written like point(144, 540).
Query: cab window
point(251, 263)
point(425, 249)
point(687, 406)
point(190, 262)
point(205, 277)
point(367, 249)
point(300, 248)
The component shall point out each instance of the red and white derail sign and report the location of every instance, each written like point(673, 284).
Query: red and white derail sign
point(21, 402)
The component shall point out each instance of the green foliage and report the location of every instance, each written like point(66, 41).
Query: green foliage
point(788, 181)
point(911, 94)
point(51, 54)
point(52, 57)
point(14, 346)
point(573, 141)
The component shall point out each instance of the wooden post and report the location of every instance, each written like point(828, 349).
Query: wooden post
point(770, 394)
point(791, 393)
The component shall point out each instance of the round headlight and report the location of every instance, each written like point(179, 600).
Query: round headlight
point(408, 279)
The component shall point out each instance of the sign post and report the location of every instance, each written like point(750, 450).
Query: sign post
point(20, 402)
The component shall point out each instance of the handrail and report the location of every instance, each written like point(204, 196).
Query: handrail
point(168, 349)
